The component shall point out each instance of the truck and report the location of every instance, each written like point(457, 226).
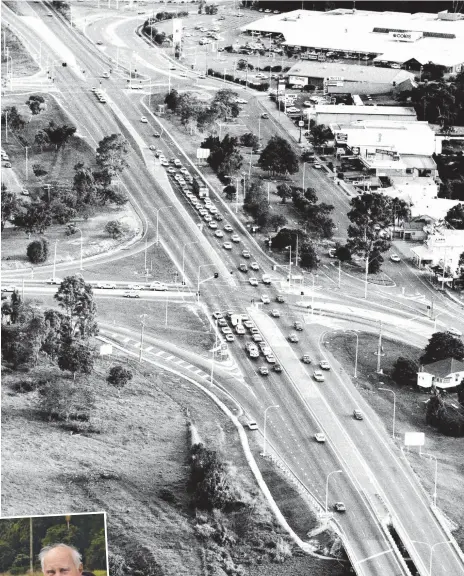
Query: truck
point(203, 192)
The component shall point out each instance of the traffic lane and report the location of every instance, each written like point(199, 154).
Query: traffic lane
point(376, 449)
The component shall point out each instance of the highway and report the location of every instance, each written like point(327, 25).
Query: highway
point(361, 450)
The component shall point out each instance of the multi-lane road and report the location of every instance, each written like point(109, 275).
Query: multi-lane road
point(361, 450)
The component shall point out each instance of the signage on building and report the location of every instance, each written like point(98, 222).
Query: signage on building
point(335, 78)
point(386, 152)
point(405, 36)
point(341, 137)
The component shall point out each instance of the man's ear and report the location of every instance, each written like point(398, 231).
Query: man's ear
point(81, 567)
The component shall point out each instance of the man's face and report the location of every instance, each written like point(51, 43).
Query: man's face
point(59, 562)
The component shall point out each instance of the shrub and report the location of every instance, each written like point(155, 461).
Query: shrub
point(405, 371)
point(343, 253)
point(37, 251)
point(114, 229)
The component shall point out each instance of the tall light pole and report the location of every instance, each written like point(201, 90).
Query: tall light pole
point(289, 266)
point(313, 276)
point(265, 424)
point(394, 410)
point(356, 354)
point(379, 350)
point(157, 220)
point(436, 476)
point(82, 245)
point(198, 280)
point(183, 258)
point(27, 171)
point(327, 487)
point(142, 329)
point(304, 170)
point(54, 259)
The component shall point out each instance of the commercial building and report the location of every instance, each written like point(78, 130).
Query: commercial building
point(333, 114)
point(339, 78)
point(442, 248)
point(395, 38)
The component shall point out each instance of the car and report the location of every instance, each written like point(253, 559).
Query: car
point(277, 368)
point(307, 103)
point(254, 266)
point(243, 267)
point(332, 252)
point(317, 166)
point(252, 425)
point(172, 67)
point(298, 326)
point(454, 332)
point(339, 507)
point(106, 285)
point(246, 253)
point(9, 288)
point(395, 258)
point(318, 376)
point(265, 299)
point(131, 294)
point(135, 287)
point(293, 338)
point(270, 358)
point(54, 280)
point(228, 228)
point(157, 135)
point(275, 313)
point(7, 165)
point(202, 76)
point(253, 353)
point(306, 359)
point(267, 11)
point(207, 217)
point(202, 211)
point(219, 234)
point(212, 225)
point(217, 315)
point(241, 101)
point(221, 322)
point(263, 370)
point(227, 246)
point(280, 299)
point(264, 347)
point(254, 330)
point(239, 329)
point(212, 209)
point(253, 281)
point(158, 286)
point(276, 11)
point(235, 238)
point(172, 170)
point(143, 120)
point(357, 414)
point(226, 330)
point(229, 337)
point(158, 153)
point(395, 66)
point(319, 437)
point(164, 162)
point(220, 49)
point(257, 337)
point(99, 43)
point(324, 365)
point(248, 324)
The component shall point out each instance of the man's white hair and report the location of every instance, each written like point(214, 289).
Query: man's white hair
point(76, 556)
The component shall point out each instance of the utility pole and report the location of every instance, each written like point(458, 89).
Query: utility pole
point(6, 126)
point(379, 350)
point(31, 548)
point(142, 321)
point(54, 259)
point(339, 274)
point(296, 251)
point(27, 175)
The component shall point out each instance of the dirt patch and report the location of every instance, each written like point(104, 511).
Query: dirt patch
point(410, 415)
point(23, 65)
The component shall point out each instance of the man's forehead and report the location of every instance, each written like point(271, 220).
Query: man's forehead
point(58, 554)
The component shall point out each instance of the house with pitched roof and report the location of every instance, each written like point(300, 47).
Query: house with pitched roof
point(446, 373)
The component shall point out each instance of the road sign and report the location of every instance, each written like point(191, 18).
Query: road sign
point(301, 123)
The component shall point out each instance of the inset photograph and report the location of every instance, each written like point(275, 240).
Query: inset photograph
point(73, 544)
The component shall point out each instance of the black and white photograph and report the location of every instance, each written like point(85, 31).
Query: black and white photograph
point(232, 284)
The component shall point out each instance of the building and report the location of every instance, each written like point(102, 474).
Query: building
point(441, 250)
point(332, 114)
point(395, 38)
point(446, 373)
point(339, 78)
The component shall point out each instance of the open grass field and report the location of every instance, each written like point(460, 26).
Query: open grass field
point(135, 466)
point(23, 65)
point(410, 416)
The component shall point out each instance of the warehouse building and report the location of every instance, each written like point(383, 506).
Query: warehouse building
point(333, 114)
point(389, 38)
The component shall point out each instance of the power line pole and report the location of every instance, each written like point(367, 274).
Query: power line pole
point(379, 350)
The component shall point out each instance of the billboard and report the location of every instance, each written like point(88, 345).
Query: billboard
point(414, 439)
point(405, 36)
point(176, 30)
point(203, 153)
point(341, 137)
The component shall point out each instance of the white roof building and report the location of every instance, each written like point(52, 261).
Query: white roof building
point(333, 114)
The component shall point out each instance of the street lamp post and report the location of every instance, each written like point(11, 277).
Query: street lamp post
point(356, 354)
point(290, 266)
point(82, 242)
point(394, 411)
point(304, 170)
point(435, 478)
point(27, 171)
point(183, 258)
point(198, 280)
point(142, 329)
point(313, 276)
point(265, 425)
point(327, 488)
point(157, 221)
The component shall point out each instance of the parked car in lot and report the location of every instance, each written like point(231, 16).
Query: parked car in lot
point(54, 280)
point(280, 299)
point(228, 228)
point(277, 368)
point(219, 234)
point(229, 337)
point(143, 119)
point(270, 358)
point(239, 329)
point(275, 313)
point(243, 267)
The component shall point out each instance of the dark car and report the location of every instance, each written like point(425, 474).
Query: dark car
point(243, 267)
point(277, 368)
point(157, 135)
point(280, 299)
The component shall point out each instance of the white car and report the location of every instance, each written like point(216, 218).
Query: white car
point(252, 426)
point(219, 234)
point(159, 286)
point(320, 437)
point(253, 281)
point(235, 238)
point(229, 337)
point(454, 332)
point(143, 120)
point(293, 110)
point(106, 285)
point(254, 266)
point(324, 365)
point(212, 225)
point(270, 358)
point(241, 101)
point(239, 329)
point(265, 299)
point(227, 246)
point(54, 280)
point(275, 313)
point(226, 330)
point(318, 376)
point(131, 294)
point(395, 258)
point(317, 166)
point(307, 103)
point(135, 287)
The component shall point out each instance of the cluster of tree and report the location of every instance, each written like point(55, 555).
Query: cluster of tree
point(405, 371)
point(85, 532)
point(249, 140)
point(225, 157)
point(168, 16)
point(451, 171)
point(369, 213)
point(278, 157)
point(193, 112)
point(260, 86)
point(320, 135)
point(13, 119)
point(36, 104)
point(54, 135)
point(446, 416)
point(438, 102)
point(209, 482)
point(210, 9)
point(315, 216)
point(442, 345)
point(303, 249)
point(256, 204)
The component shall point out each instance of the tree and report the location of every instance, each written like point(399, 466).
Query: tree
point(249, 140)
point(287, 237)
point(39, 170)
point(36, 104)
point(455, 217)
point(37, 251)
point(278, 157)
point(111, 154)
point(343, 253)
point(320, 135)
point(431, 71)
point(75, 297)
point(285, 191)
point(188, 109)
point(230, 191)
point(59, 135)
point(76, 357)
point(375, 261)
point(114, 228)
point(208, 479)
point(405, 371)
point(172, 100)
point(277, 221)
point(224, 104)
point(118, 376)
point(37, 218)
point(308, 255)
point(59, 402)
point(14, 120)
point(11, 206)
point(442, 345)
point(41, 139)
point(84, 186)
point(225, 157)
